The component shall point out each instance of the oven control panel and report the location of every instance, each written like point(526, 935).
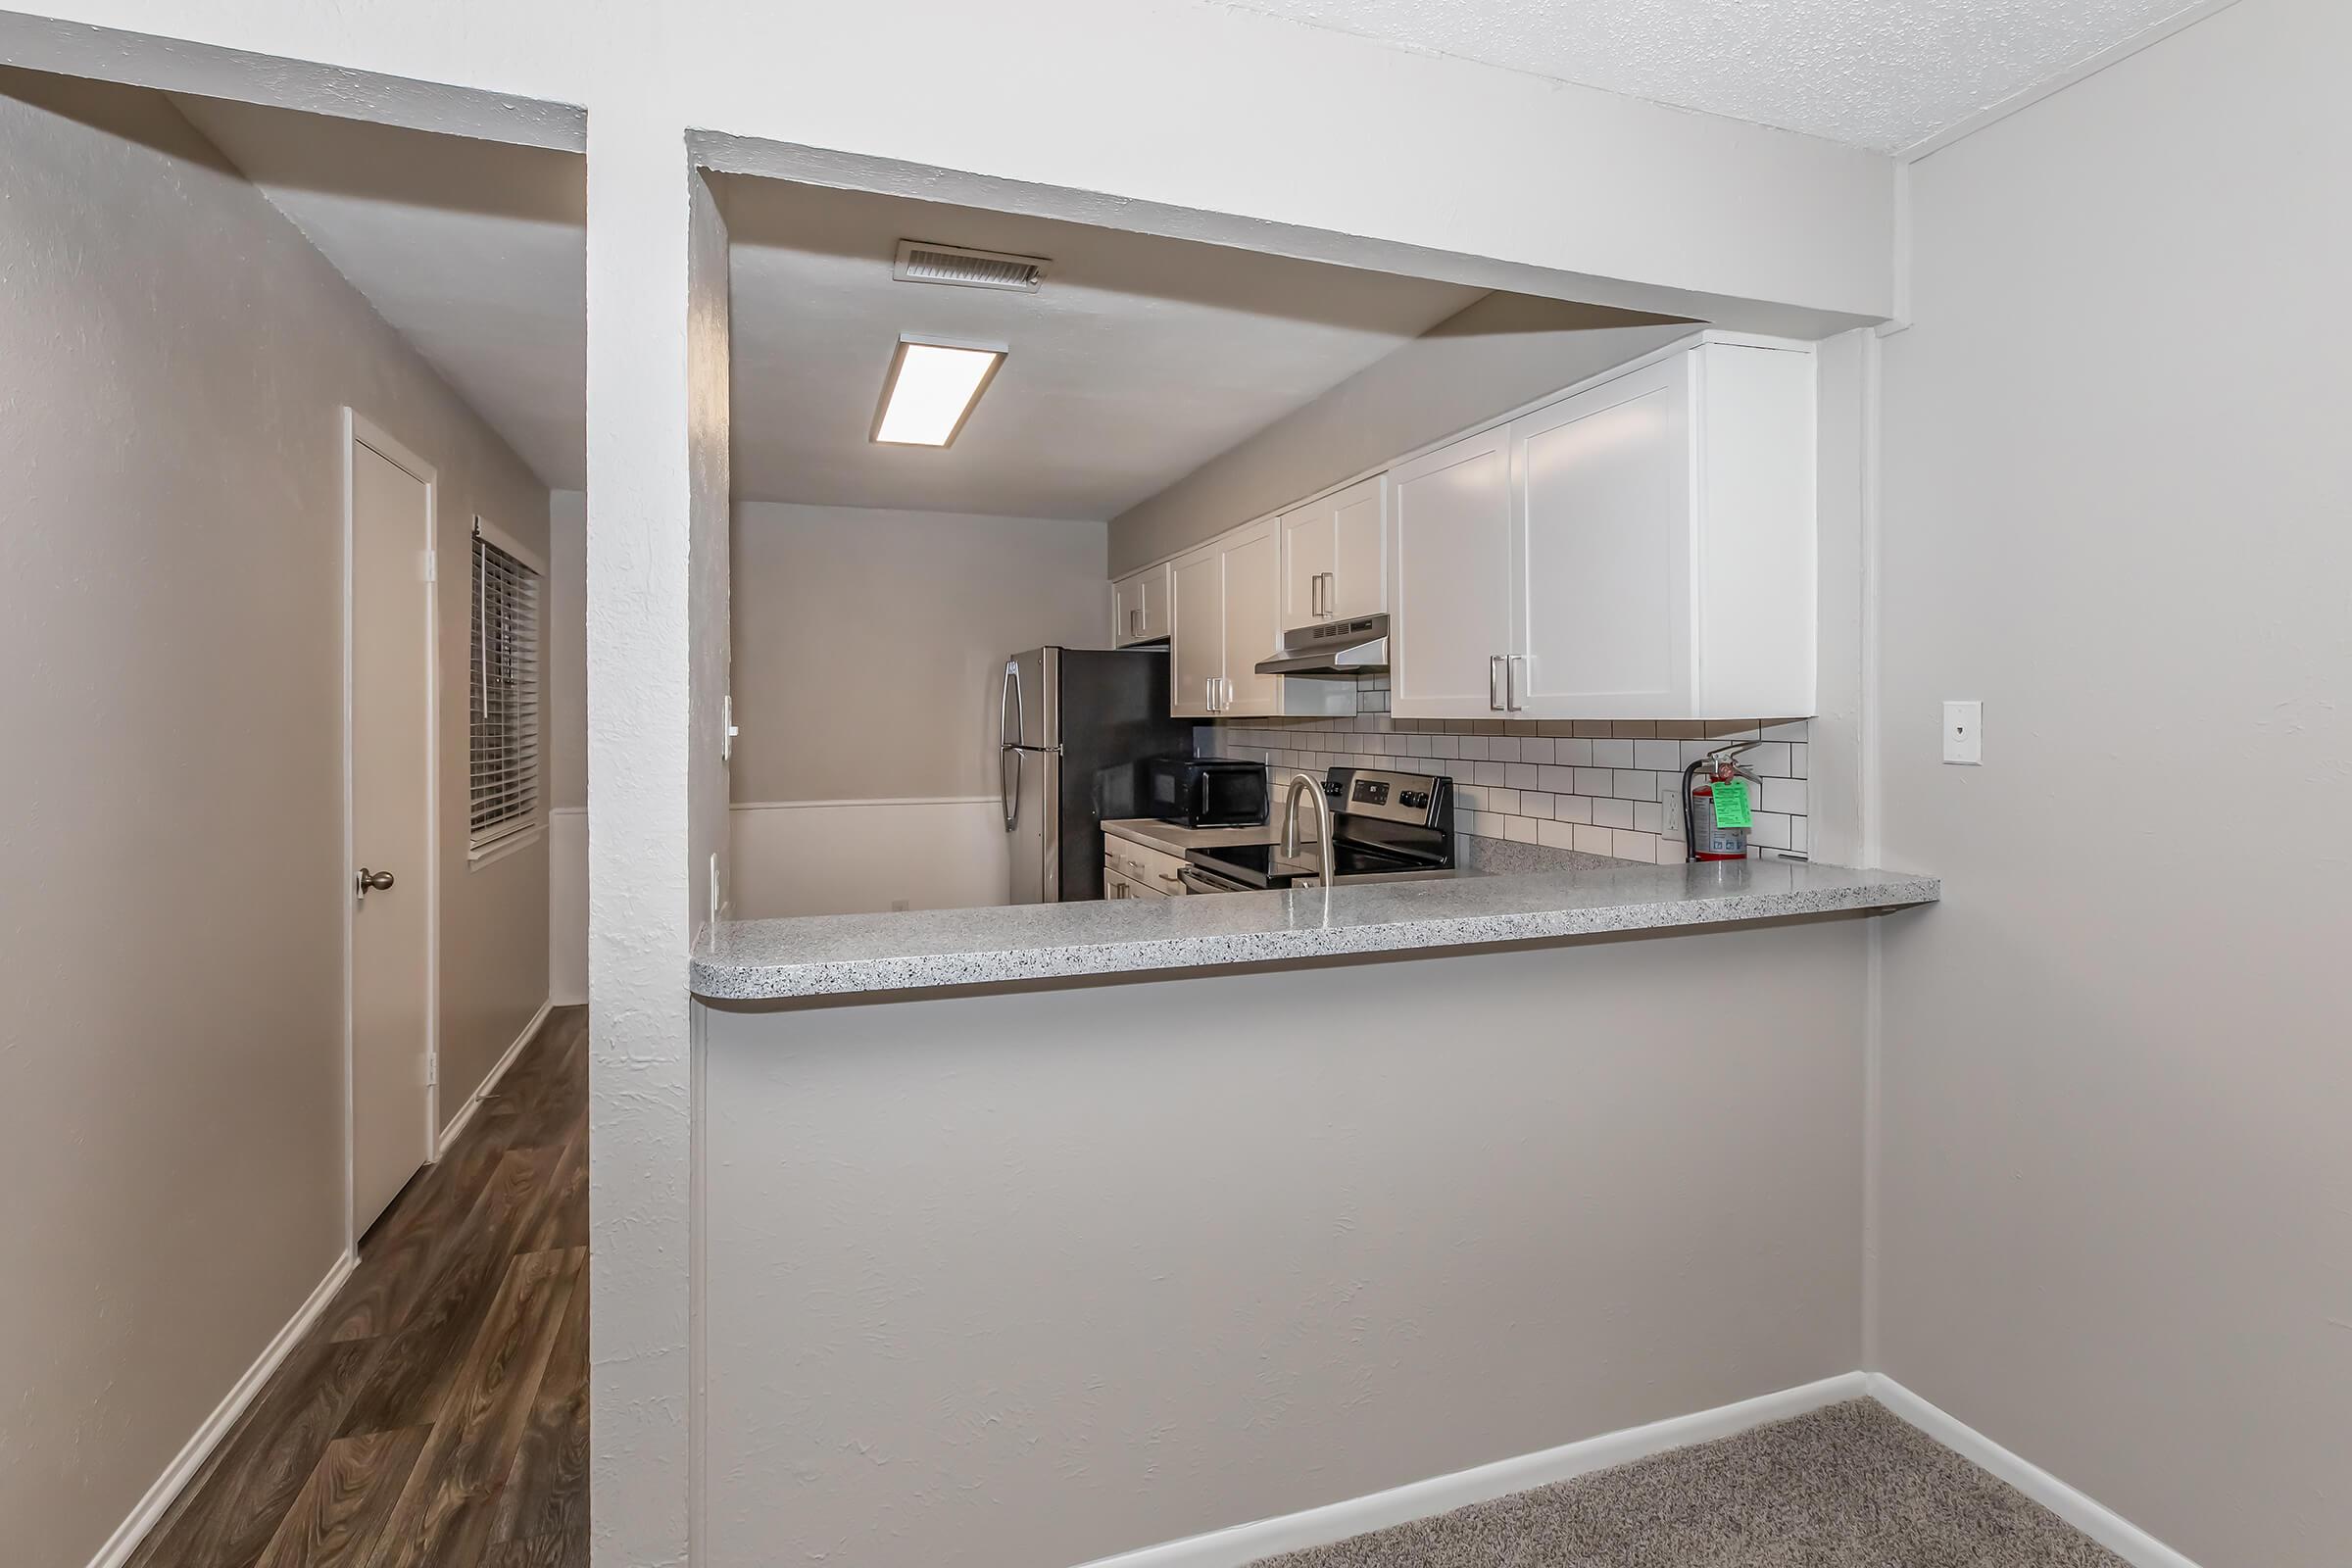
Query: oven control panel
point(1420, 799)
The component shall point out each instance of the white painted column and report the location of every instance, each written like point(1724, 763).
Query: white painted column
point(657, 640)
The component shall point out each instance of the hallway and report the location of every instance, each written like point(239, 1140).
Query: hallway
point(437, 1414)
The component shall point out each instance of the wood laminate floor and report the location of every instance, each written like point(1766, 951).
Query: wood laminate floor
point(437, 1415)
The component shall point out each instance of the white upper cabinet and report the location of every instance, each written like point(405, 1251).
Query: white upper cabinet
point(1657, 553)
point(1335, 556)
point(1642, 546)
point(1603, 484)
point(1225, 602)
point(1139, 607)
point(1197, 621)
point(1450, 548)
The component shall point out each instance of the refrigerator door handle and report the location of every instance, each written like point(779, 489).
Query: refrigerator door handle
point(1010, 713)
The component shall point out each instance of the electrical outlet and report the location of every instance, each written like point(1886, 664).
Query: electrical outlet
point(1669, 807)
point(898, 905)
point(1964, 734)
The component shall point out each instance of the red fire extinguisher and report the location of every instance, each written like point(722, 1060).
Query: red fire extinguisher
point(1713, 833)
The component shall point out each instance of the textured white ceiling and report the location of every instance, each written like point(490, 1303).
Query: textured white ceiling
point(1879, 74)
point(475, 251)
point(1140, 359)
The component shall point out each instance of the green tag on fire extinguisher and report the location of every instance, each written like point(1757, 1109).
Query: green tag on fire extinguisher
point(1730, 804)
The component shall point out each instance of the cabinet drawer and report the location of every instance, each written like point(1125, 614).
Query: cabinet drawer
point(1152, 871)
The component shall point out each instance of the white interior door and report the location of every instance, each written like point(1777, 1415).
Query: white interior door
point(391, 827)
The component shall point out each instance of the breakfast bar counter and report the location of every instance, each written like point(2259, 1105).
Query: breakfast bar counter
point(838, 955)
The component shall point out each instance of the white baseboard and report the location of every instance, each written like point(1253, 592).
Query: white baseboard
point(1317, 1527)
point(2086, 1514)
point(133, 1530)
point(457, 1123)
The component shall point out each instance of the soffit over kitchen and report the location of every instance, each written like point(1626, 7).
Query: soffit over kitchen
point(1138, 360)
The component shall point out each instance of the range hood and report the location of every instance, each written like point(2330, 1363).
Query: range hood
point(1337, 649)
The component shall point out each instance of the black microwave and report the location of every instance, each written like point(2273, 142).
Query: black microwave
point(1206, 791)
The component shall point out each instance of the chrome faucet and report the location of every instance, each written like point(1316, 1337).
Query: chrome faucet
point(1289, 820)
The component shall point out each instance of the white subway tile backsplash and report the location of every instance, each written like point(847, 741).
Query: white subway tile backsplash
point(1600, 786)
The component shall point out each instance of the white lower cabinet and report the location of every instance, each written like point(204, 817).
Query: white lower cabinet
point(1642, 549)
point(1132, 870)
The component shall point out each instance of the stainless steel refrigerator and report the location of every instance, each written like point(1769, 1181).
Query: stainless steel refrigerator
point(1073, 728)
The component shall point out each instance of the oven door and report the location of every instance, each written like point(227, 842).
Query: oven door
point(1198, 880)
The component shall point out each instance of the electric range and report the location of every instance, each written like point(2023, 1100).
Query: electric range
point(1384, 828)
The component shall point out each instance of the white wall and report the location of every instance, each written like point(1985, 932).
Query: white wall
point(869, 654)
point(176, 362)
point(1356, 153)
point(1027, 1279)
point(1500, 352)
point(2117, 1177)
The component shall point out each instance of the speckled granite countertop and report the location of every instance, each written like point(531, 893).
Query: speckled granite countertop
point(1176, 839)
point(831, 956)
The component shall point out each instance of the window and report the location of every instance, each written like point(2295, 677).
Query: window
point(504, 704)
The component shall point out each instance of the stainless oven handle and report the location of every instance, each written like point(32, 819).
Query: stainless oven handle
point(1199, 881)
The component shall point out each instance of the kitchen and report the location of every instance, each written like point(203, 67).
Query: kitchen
point(1365, 511)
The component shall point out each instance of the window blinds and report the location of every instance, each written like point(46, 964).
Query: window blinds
point(504, 694)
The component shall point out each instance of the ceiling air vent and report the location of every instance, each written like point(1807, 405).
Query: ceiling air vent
point(920, 262)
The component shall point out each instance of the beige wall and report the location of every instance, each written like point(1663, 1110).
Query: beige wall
point(2118, 1097)
point(1500, 352)
point(1123, 1278)
point(869, 644)
point(566, 685)
point(565, 640)
point(174, 362)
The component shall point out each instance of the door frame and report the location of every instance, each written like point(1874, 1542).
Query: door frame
point(360, 431)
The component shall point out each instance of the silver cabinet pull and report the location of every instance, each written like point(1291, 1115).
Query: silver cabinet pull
point(1228, 691)
point(1494, 678)
point(1331, 593)
point(1511, 681)
point(1208, 693)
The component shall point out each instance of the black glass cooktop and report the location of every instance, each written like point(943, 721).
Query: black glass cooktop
point(1263, 865)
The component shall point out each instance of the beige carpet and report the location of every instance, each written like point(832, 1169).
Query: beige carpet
point(1846, 1486)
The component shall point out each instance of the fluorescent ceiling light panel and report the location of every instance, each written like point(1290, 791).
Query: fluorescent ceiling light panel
point(932, 389)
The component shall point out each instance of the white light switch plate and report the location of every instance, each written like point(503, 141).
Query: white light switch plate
point(1964, 733)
